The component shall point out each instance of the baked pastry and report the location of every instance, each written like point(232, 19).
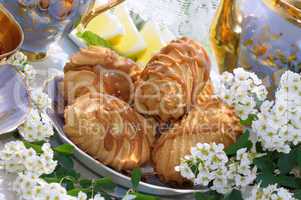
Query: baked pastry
point(98, 69)
point(172, 80)
point(212, 122)
point(109, 130)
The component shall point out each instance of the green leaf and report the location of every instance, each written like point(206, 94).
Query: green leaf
point(68, 184)
point(65, 161)
point(62, 172)
point(74, 192)
point(289, 182)
point(266, 179)
point(136, 178)
point(298, 156)
point(297, 194)
point(265, 163)
point(234, 195)
point(242, 142)
point(37, 147)
point(207, 196)
point(85, 183)
point(104, 184)
point(51, 179)
point(287, 162)
point(249, 121)
point(140, 196)
point(93, 39)
point(65, 149)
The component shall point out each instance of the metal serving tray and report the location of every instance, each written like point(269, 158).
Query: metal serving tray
point(151, 186)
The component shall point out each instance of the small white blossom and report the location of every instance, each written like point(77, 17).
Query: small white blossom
point(185, 171)
point(98, 197)
point(20, 61)
point(40, 99)
point(278, 124)
point(15, 157)
point(29, 186)
point(215, 167)
point(82, 196)
point(272, 192)
point(37, 127)
point(129, 197)
point(242, 89)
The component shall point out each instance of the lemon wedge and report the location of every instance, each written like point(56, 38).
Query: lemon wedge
point(106, 25)
point(131, 44)
point(155, 39)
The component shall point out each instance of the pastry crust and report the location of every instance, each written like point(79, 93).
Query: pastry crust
point(172, 80)
point(110, 131)
point(101, 70)
point(212, 122)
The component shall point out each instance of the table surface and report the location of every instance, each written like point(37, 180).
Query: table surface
point(58, 55)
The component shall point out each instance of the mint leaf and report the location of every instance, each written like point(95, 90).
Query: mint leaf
point(136, 178)
point(65, 149)
point(93, 39)
point(242, 142)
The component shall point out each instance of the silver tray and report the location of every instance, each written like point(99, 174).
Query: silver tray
point(152, 186)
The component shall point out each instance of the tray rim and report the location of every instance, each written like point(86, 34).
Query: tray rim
point(103, 170)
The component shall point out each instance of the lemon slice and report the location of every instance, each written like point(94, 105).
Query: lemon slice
point(131, 43)
point(106, 25)
point(155, 39)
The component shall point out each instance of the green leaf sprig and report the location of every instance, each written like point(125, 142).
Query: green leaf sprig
point(93, 39)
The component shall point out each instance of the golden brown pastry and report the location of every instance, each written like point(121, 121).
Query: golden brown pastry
point(98, 69)
point(212, 122)
point(206, 93)
point(172, 80)
point(110, 131)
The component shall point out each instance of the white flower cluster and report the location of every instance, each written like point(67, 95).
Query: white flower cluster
point(37, 127)
point(15, 157)
point(243, 90)
point(29, 186)
point(20, 61)
point(40, 99)
point(208, 163)
point(272, 192)
point(279, 122)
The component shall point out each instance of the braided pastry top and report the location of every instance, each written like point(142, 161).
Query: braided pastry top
point(110, 130)
point(172, 80)
point(211, 122)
